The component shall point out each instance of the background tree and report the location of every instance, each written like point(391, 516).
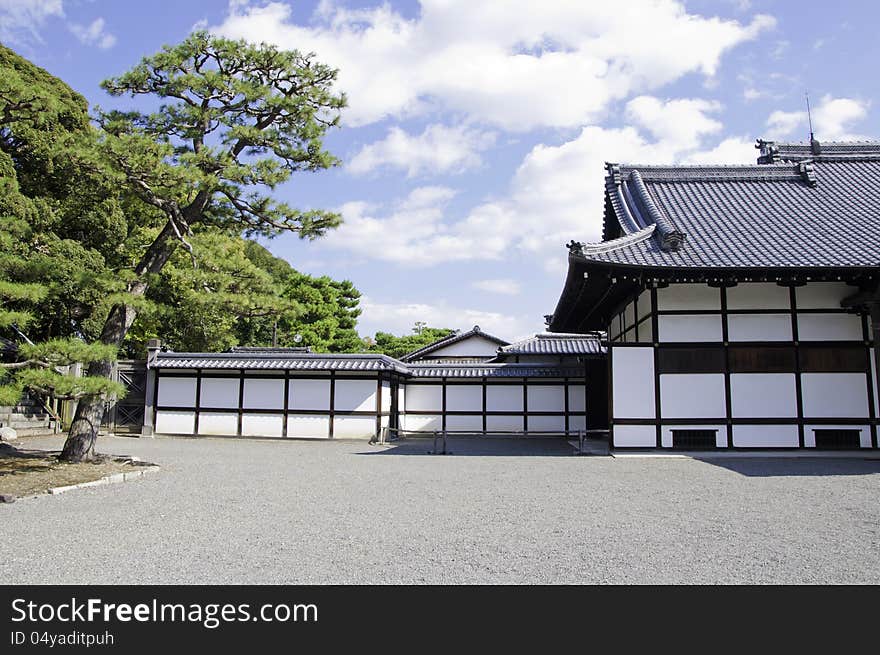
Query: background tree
point(236, 120)
point(397, 347)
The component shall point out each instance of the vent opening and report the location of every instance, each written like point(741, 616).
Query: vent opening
point(838, 439)
point(693, 439)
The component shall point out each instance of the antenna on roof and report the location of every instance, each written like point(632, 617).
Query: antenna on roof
point(814, 145)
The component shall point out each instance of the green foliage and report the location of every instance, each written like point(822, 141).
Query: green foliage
point(48, 382)
point(397, 347)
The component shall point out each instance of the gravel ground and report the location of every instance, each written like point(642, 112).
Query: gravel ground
point(228, 511)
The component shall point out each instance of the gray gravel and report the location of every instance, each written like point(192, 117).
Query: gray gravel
point(228, 511)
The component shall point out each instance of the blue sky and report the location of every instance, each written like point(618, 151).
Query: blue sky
point(476, 131)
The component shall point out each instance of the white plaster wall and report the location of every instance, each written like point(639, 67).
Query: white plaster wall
point(416, 422)
point(766, 436)
point(355, 396)
point(546, 398)
point(829, 327)
point(835, 395)
point(354, 427)
point(864, 433)
point(874, 383)
point(577, 401)
point(424, 397)
point(644, 304)
point(759, 327)
point(692, 395)
point(633, 382)
point(179, 392)
point(464, 398)
point(577, 422)
point(309, 394)
point(502, 422)
point(263, 393)
point(697, 327)
point(634, 436)
point(401, 398)
point(305, 426)
point(475, 346)
point(504, 398)
point(720, 434)
point(822, 295)
point(218, 423)
point(473, 423)
point(170, 422)
point(386, 396)
point(547, 423)
point(646, 332)
point(689, 296)
point(758, 295)
point(763, 395)
point(630, 315)
point(262, 425)
point(219, 392)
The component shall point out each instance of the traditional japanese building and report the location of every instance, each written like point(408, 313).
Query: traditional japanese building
point(740, 303)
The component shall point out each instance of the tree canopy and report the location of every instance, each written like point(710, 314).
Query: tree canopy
point(395, 346)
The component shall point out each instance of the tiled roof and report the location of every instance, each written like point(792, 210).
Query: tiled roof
point(823, 213)
point(279, 362)
point(555, 344)
point(448, 341)
point(773, 152)
point(493, 370)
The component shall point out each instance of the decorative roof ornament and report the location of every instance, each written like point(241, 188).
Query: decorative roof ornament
point(808, 172)
point(575, 248)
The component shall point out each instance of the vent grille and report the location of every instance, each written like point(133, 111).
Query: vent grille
point(693, 439)
point(838, 439)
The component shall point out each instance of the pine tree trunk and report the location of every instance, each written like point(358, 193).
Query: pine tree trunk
point(80, 444)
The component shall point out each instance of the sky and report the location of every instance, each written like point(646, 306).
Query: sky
point(475, 137)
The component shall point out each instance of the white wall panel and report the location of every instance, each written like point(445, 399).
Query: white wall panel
point(829, 327)
point(179, 392)
point(689, 296)
point(354, 427)
point(262, 425)
point(470, 422)
point(765, 436)
point(503, 423)
point(758, 295)
point(720, 434)
point(759, 327)
point(219, 392)
point(763, 395)
point(633, 382)
point(577, 400)
point(417, 422)
point(874, 383)
point(308, 394)
point(424, 397)
point(306, 426)
point(504, 398)
point(218, 423)
point(629, 315)
point(464, 398)
point(475, 346)
point(697, 327)
point(822, 295)
point(263, 393)
point(170, 422)
point(697, 395)
point(355, 396)
point(547, 423)
point(835, 395)
point(864, 433)
point(386, 396)
point(634, 436)
point(646, 332)
point(546, 398)
point(401, 398)
point(577, 422)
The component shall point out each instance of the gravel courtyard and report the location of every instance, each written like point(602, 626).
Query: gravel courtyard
point(230, 511)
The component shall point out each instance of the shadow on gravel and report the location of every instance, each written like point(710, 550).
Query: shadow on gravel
point(806, 467)
point(478, 447)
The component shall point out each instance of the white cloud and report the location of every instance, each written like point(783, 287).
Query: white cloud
point(503, 286)
point(832, 119)
point(732, 150)
point(516, 64)
point(93, 34)
point(438, 149)
point(682, 122)
point(399, 318)
point(20, 20)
